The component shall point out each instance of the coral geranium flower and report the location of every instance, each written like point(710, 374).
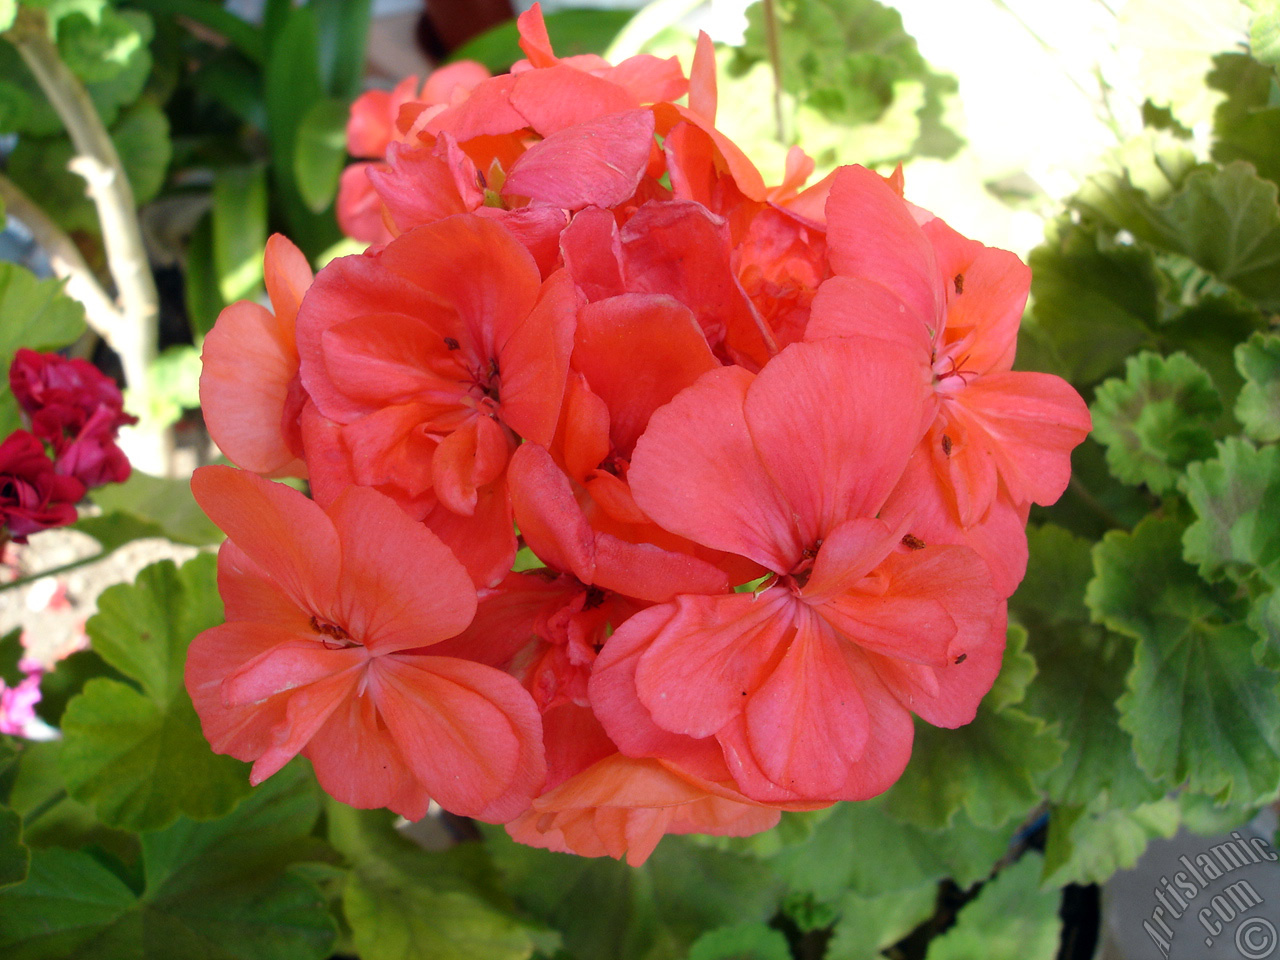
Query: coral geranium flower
point(327, 651)
point(808, 684)
point(249, 387)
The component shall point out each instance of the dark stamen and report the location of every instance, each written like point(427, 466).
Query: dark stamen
point(946, 445)
point(959, 282)
point(451, 343)
point(912, 543)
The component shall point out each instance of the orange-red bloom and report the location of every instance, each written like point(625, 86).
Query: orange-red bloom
point(327, 651)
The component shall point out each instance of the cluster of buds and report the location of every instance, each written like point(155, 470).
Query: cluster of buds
point(75, 412)
point(646, 498)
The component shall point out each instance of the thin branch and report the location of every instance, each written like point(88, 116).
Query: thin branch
point(67, 261)
point(108, 188)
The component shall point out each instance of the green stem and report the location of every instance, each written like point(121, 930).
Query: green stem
point(55, 571)
point(775, 63)
point(44, 808)
point(1096, 505)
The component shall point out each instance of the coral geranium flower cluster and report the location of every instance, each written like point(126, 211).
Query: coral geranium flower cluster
point(647, 498)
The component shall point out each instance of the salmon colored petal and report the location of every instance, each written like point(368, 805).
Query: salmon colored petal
point(420, 185)
point(472, 456)
point(863, 307)
point(249, 361)
point(358, 206)
point(506, 620)
point(288, 276)
point(637, 351)
point(612, 692)
point(883, 757)
point(848, 554)
point(558, 97)
point(681, 249)
point(358, 762)
point(287, 665)
point(391, 448)
point(1033, 421)
point(548, 514)
point(487, 112)
point(329, 466)
point(592, 253)
point(697, 473)
point(537, 229)
point(871, 233)
point(534, 362)
point(650, 79)
point(961, 456)
point(349, 287)
point(947, 696)
point(729, 155)
point(389, 358)
point(447, 81)
point(306, 710)
point(534, 40)
point(648, 572)
point(701, 669)
point(244, 731)
point(583, 435)
point(249, 594)
point(702, 79)
point(836, 444)
point(1000, 537)
point(471, 734)
point(484, 542)
point(806, 723)
point(280, 530)
point(595, 163)
point(613, 496)
point(369, 124)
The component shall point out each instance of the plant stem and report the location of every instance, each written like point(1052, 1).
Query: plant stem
point(775, 62)
point(44, 808)
point(67, 261)
point(1094, 504)
point(54, 571)
point(135, 337)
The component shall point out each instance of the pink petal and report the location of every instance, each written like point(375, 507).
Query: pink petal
point(306, 710)
point(472, 456)
point(702, 667)
point(702, 79)
point(861, 306)
point(420, 185)
point(249, 594)
point(593, 253)
point(280, 530)
point(558, 97)
point(836, 443)
point(287, 665)
point(485, 541)
point(648, 572)
point(534, 362)
point(872, 234)
point(696, 472)
point(595, 163)
point(470, 733)
point(548, 514)
point(401, 587)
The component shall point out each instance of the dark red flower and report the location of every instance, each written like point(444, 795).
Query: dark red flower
point(78, 410)
point(32, 496)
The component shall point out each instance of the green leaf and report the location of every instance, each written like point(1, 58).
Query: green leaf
point(342, 27)
point(745, 941)
point(11, 651)
point(1246, 124)
point(1201, 711)
point(173, 380)
point(100, 48)
point(1264, 34)
point(406, 903)
point(321, 152)
point(1081, 669)
point(1157, 419)
point(142, 137)
point(1258, 406)
point(653, 912)
point(1085, 846)
point(139, 758)
point(572, 32)
point(200, 285)
point(1234, 497)
point(989, 766)
point(862, 849)
point(15, 858)
point(220, 890)
point(1012, 919)
point(239, 230)
point(35, 313)
point(165, 506)
point(868, 925)
point(1096, 301)
point(246, 38)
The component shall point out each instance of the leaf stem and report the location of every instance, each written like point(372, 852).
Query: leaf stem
point(55, 571)
point(44, 808)
point(775, 62)
point(1096, 505)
